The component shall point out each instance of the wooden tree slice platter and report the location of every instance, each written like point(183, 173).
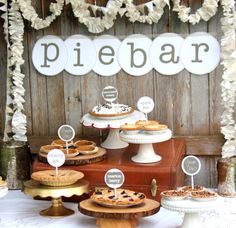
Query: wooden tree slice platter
point(90, 208)
point(79, 159)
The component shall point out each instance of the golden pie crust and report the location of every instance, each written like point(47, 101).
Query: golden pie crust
point(203, 195)
point(174, 194)
point(69, 153)
point(87, 149)
point(83, 142)
point(155, 127)
point(2, 182)
point(48, 148)
point(189, 188)
point(130, 127)
point(59, 142)
point(92, 113)
point(64, 177)
point(146, 122)
point(125, 197)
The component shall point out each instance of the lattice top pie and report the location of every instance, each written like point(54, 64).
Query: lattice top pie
point(125, 197)
point(64, 177)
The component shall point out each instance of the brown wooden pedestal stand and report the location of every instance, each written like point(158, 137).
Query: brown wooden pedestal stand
point(118, 217)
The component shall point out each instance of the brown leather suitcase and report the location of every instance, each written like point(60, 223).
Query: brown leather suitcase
point(150, 178)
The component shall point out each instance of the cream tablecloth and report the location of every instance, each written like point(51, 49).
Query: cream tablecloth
point(20, 210)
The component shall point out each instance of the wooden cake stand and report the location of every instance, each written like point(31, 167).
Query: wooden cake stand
point(34, 188)
point(118, 217)
point(79, 159)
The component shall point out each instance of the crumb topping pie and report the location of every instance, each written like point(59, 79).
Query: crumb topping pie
point(125, 197)
point(174, 194)
point(64, 177)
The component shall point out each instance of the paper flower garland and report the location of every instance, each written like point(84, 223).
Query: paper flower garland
point(16, 33)
point(228, 85)
point(154, 8)
point(96, 24)
point(208, 9)
point(30, 14)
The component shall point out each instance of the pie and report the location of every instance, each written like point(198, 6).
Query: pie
point(87, 149)
point(155, 127)
point(174, 194)
point(203, 195)
point(83, 142)
point(2, 183)
point(69, 153)
point(125, 198)
point(59, 142)
point(111, 110)
point(142, 123)
point(48, 148)
point(64, 177)
point(130, 127)
point(189, 189)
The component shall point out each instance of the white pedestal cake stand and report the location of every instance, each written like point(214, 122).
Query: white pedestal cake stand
point(113, 140)
point(146, 153)
point(192, 210)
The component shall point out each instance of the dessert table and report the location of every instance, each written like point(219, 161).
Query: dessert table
point(20, 210)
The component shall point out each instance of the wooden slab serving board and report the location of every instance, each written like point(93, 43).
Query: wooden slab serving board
point(90, 208)
point(79, 159)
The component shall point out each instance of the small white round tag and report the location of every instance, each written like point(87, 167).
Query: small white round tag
point(56, 158)
point(145, 104)
point(109, 93)
point(191, 165)
point(66, 133)
point(114, 178)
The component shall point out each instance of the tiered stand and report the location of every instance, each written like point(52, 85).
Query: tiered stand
point(192, 210)
point(113, 124)
point(57, 209)
point(146, 153)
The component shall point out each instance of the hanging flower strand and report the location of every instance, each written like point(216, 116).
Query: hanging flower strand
point(30, 14)
point(96, 24)
point(228, 85)
point(207, 11)
point(155, 10)
point(16, 33)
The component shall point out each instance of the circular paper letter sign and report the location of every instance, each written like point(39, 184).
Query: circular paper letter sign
point(145, 104)
point(66, 133)
point(114, 178)
point(109, 93)
point(56, 158)
point(191, 165)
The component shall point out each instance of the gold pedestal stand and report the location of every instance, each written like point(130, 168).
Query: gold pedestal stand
point(57, 209)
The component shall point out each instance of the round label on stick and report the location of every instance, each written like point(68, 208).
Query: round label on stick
point(66, 133)
point(145, 104)
point(109, 93)
point(56, 158)
point(114, 178)
point(191, 165)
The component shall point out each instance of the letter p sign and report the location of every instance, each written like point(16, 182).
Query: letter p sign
point(49, 55)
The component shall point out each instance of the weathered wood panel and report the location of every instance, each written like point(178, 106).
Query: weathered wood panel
point(189, 104)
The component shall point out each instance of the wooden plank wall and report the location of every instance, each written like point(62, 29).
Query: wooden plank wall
point(188, 103)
